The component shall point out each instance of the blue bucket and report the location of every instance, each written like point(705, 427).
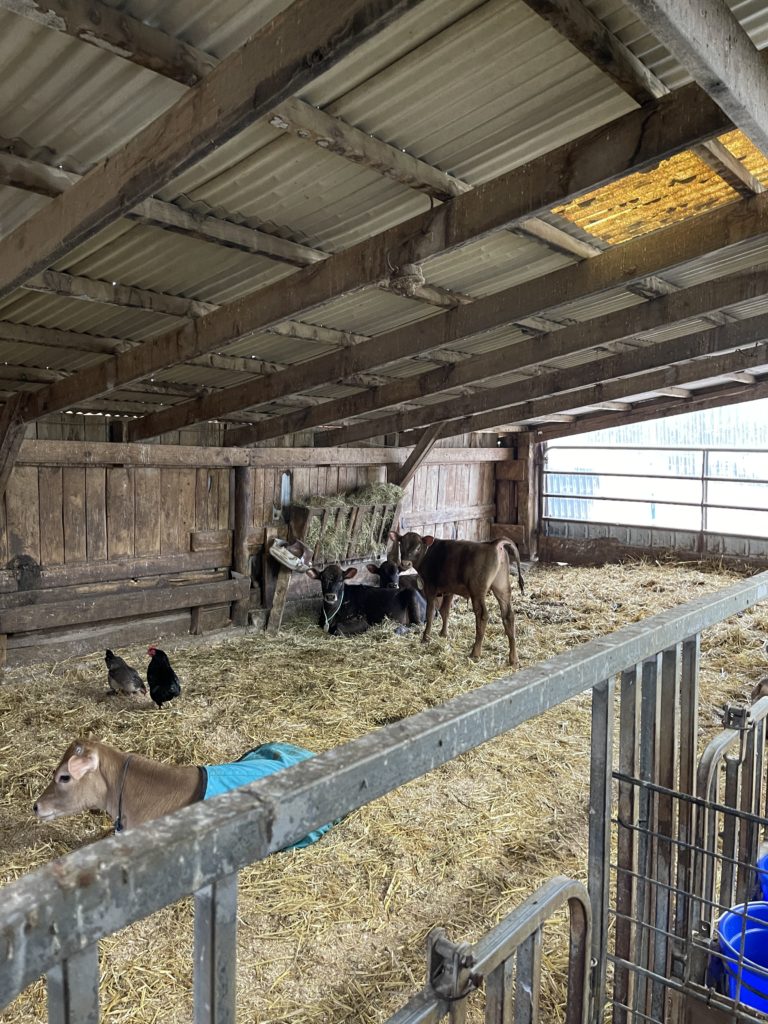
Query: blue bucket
point(762, 874)
point(754, 973)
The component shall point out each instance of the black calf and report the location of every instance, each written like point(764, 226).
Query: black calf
point(349, 610)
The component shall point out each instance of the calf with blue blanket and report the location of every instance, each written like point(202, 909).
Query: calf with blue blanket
point(132, 789)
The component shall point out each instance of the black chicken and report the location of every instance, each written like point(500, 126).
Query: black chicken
point(163, 682)
point(121, 677)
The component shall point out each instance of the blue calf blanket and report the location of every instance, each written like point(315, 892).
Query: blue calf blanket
point(257, 764)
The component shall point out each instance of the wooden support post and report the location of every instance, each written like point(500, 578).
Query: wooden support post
point(279, 600)
point(241, 557)
point(12, 429)
point(403, 475)
point(517, 497)
point(528, 494)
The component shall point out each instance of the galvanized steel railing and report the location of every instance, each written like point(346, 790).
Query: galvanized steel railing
point(52, 919)
point(507, 963)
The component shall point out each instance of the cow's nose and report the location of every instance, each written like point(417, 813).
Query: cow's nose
point(34, 806)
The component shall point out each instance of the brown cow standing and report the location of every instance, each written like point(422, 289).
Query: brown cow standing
point(466, 568)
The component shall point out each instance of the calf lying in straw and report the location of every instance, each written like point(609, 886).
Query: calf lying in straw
point(132, 789)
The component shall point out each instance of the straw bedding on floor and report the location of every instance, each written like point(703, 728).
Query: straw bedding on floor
point(336, 932)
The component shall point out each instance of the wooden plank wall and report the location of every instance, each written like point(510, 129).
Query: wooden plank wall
point(74, 514)
point(61, 515)
point(451, 501)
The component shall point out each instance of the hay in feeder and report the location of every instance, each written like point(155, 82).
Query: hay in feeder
point(356, 524)
point(336, 932)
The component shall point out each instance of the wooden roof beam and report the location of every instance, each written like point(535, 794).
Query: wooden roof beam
point(296, 47)
point(605, 271)
point(709, 398)
point(592, 38)
point(621, 381)
point(639, 139)
point(707, 39)
point(118, 33)
point(485, 405)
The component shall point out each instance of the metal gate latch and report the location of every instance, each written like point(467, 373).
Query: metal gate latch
point(449, 967)
point(736, 716)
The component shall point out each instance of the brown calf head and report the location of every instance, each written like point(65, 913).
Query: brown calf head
point(413, 547)
point(77, 783)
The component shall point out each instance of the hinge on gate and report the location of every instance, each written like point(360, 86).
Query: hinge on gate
point(449, 967)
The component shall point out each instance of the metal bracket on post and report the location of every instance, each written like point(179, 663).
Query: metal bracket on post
point(449, 967)
point(737, 716)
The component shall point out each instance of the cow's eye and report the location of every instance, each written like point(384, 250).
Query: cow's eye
point(65, 778)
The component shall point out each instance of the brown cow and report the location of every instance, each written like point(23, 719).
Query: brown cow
point(466, 568)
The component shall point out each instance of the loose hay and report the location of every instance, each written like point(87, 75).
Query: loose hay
point(336, 931)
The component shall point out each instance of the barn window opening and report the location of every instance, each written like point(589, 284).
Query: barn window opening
point(700, 476)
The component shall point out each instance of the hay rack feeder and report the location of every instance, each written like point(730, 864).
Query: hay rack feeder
point(335, 533)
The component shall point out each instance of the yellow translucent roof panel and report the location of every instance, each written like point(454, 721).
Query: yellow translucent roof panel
point(748, 153)
point(678, 188)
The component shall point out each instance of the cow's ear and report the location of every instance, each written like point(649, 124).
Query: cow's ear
point(349, 573)
point(372, 567)
point(313, 573)
point(394, 535)
point(82, 761)
point(429, 540)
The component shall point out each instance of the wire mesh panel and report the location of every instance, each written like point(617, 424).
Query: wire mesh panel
point(684, 862)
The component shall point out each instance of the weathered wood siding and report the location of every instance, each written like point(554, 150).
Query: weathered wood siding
point(131, 542)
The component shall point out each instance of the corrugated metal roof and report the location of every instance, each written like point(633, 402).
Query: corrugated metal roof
point(474, 88)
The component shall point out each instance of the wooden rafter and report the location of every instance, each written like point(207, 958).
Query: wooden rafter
point(707, 39)
point(51, 338)
point(630, 373)
point(293, 49)
point(597, 394)
point(42, 179)
point(336, 136)
point(730, 169)
point(709, 398)
point(118, 33)
point(12, 428)
point(557, 239)
point(640, 139)
point(641, 256)
point(87, 289)
point(592, 38)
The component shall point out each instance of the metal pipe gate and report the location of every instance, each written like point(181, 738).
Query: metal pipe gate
point(51, 920)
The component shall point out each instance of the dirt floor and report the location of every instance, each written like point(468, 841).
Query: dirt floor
point(336, 932)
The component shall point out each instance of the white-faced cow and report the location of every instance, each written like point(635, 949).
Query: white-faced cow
point(347, 610)
point(465, 568)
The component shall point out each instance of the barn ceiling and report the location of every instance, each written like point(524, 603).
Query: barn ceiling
point(363, 218)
